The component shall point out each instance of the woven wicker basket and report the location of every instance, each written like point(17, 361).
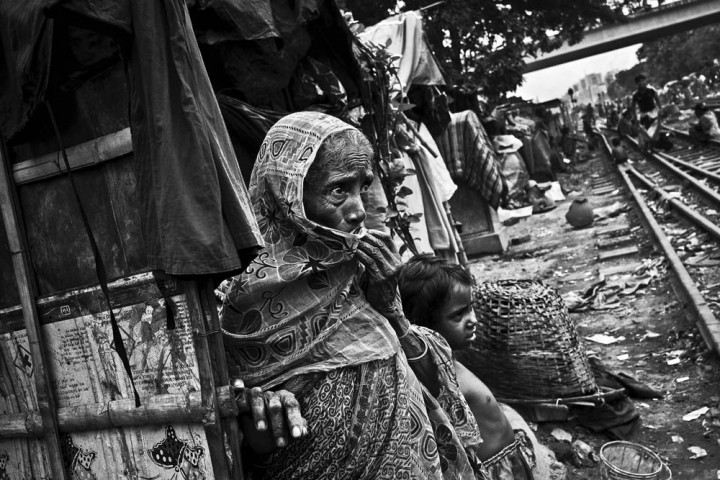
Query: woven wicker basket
point(621, 460)
point(527, 346)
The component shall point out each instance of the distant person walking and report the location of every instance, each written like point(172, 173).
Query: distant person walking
point(588, 123)
point(647, 101)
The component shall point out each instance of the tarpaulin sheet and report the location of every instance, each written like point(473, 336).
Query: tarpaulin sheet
point(247, 126)
point(26, 42)
point(196, 213)
point(216, 21)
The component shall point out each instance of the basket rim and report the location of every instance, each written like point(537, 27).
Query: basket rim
point(638, 447)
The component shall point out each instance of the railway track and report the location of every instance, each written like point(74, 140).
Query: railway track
point(677, 194)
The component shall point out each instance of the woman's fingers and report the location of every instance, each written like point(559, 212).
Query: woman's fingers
point(372, 251)
point(386, 267)
point(382, 242)
point(383, 249)
point(369, 263)
point(257, 408)
point(280, 409)
point(241, 397)
point(386, 238)
point(277, 418)
point(296, 424)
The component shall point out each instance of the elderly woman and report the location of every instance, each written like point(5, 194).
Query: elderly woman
point(318, 314)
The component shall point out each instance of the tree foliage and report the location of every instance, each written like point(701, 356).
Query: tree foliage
point(673, 57)
point(623, 83)
point(483, 43)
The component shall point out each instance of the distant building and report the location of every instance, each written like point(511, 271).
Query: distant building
point(590, 89)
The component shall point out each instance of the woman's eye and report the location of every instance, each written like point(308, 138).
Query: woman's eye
point(365, 188)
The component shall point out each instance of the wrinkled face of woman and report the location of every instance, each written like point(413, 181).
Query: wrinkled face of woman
point(336, 186)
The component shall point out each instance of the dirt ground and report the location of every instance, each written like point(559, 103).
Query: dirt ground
point(661, 346)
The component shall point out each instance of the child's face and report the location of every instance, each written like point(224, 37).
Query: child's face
point(456, 319)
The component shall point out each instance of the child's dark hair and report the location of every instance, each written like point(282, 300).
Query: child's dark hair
point(616, 141)
point(426, 282)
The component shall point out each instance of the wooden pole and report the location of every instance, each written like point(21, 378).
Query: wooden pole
point(155, 410)
point(21, 425)
point(94, 152)
point(26, 287)
point(221, 462)
point(462, 256)
point(432, 5)
point(230, 426)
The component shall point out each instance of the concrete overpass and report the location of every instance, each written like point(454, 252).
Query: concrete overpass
point(657, 23)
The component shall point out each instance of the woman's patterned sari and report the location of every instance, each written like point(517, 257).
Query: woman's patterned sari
point(297, 319)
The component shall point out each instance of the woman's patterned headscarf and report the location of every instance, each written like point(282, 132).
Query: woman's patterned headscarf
point(297, 308)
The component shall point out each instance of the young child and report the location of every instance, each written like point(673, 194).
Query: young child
point(618, 151)
point(437, 295)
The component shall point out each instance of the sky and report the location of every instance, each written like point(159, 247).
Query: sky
point(554, 82)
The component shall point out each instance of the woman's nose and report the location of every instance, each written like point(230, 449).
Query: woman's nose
point(355, 211)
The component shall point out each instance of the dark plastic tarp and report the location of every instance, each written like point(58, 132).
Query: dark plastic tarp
point(196, 213)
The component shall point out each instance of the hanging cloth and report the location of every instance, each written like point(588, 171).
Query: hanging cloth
point(416, 63)
point(469, 157)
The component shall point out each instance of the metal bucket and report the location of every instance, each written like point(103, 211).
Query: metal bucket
point(630, 461)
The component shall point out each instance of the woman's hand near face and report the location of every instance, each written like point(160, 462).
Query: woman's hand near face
point(378, 254)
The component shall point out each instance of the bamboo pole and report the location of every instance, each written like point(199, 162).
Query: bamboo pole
point(96, 151)
point(21, 425)
point(155, 410)
point(462, 256)
point(211, 422)
point(230, 428)
point(23, 276)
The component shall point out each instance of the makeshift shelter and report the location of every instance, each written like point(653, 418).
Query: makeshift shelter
point(155, 211)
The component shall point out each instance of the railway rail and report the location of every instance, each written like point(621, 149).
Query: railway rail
point(686, 181)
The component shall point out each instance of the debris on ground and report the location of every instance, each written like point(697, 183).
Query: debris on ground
point(604, 339)
point(628, 318)
point(698, 452)
point(561, 435)
point(583, 455)
point(695, 414)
